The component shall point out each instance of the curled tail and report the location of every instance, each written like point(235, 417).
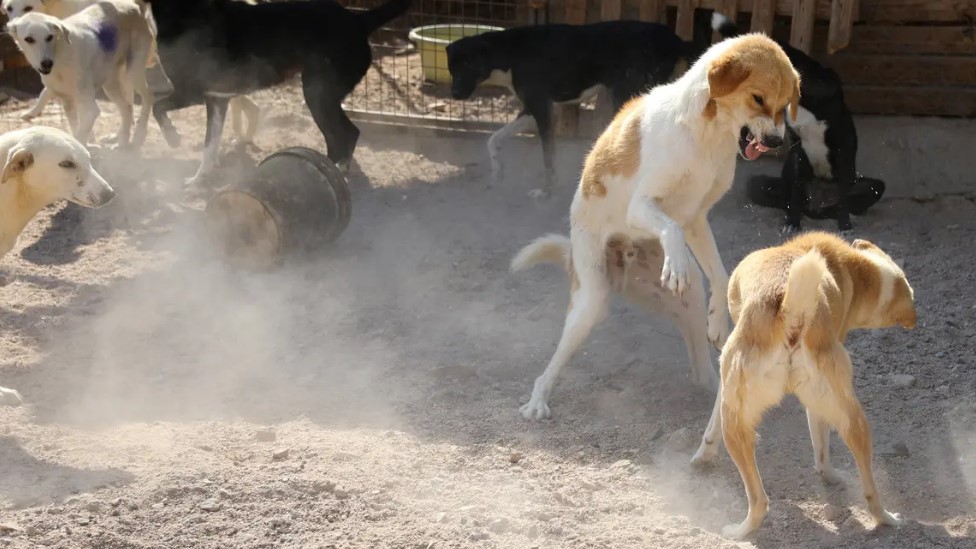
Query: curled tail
point(724, 26)
point(804, 288)
point(377, 17)
point(552, 248)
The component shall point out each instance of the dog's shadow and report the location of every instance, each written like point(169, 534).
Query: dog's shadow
point(71, 228)
point(28, 481)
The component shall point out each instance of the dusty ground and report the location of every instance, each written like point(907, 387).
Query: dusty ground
point(367, 397)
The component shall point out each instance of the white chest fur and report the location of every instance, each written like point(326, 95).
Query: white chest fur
point(811, 133)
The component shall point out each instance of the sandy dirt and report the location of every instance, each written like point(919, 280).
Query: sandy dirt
point(367, 397)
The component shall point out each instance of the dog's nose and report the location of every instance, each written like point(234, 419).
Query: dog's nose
point(106, 196)
point(772, 141)
point(46, 64)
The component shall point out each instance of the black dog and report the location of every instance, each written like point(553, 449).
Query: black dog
point(213, 50)
point(548, 64)
point(828, 149)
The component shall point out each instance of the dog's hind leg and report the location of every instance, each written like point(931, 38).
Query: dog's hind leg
point(829, 394)
point(750, 386)
point(160, 112)
point(521, 123)
point(541, 110)
point(324, 92)
point(88, 112)
point(136, 77)
point(10, 397)
point(589, 295)
point(820, 437)
point(712, 436)
point(122, 98)
point(216, 113)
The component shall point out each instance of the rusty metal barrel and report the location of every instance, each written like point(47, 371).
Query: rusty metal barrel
point(296, 202)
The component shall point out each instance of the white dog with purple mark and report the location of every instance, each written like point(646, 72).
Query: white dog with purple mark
point(106, 45)
point(42, 165)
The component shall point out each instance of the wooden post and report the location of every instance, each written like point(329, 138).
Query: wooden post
point(566, 117)
point(801, 30)
point(685, 25)
point(652, 11)
point(763, 14)
point(841, 21)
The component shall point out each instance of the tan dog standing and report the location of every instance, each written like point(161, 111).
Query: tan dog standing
point(655, 173)
point(793, 306)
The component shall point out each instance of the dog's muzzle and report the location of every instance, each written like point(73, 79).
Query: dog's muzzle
point(751, 147)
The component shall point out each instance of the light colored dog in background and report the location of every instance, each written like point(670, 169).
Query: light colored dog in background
point(793, 306)
point(41, 166)
point(106, 45)
point(654, 174)
point(241, 107)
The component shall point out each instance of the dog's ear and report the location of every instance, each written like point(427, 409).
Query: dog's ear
point(62, 32)
point(19, 160)
point(725, 75)
point(861, 244)
point(795, 100)
point(12, 30)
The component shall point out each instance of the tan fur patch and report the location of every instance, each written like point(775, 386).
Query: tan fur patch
point(616, 152)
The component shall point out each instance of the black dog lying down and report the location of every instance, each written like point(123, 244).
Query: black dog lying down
point(827, 149)
point(548, 64)
point(213, 50)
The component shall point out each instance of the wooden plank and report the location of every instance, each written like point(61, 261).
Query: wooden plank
point(912, 11)
point(904, 70)
point(801, 32)
point(652, 11)
point(610, 10)
point(919, 101)
point(685, 25)
point(763, 12)
point(839, 34)
point(575, 12)
point(891, 39)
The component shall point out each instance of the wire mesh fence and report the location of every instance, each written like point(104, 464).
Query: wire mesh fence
point(409, 78)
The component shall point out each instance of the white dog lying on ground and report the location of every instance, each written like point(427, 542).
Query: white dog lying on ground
point(240, 107)
point(42, 165)
point(107, 45)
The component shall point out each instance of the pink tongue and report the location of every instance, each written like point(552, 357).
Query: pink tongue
point(752, 152)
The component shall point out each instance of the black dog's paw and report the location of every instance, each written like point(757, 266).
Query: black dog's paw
point(845, 227)
point(789, 228)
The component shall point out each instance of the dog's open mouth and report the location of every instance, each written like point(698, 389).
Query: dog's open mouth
point(750, 146)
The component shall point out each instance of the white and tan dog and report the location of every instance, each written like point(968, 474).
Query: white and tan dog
point(42, 165)
point(106, 45)
point(241, 107)
point(793, 306)
point(655, 173)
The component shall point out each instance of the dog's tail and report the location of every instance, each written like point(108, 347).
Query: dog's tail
point(552, 248)
point(377, 17)
point(724, 26)
point(804, 289)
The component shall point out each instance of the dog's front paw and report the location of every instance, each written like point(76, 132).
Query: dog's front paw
point(535, 409)
point(674, 274)
point(28, 115)
point(789, 228)
point(705, 453)
point(830, 476)
point(10, 397)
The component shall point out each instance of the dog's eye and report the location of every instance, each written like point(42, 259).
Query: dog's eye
point(48, 39)
point(67, 164)
point(759, 100)
point(28, 8)
point(29, 39)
